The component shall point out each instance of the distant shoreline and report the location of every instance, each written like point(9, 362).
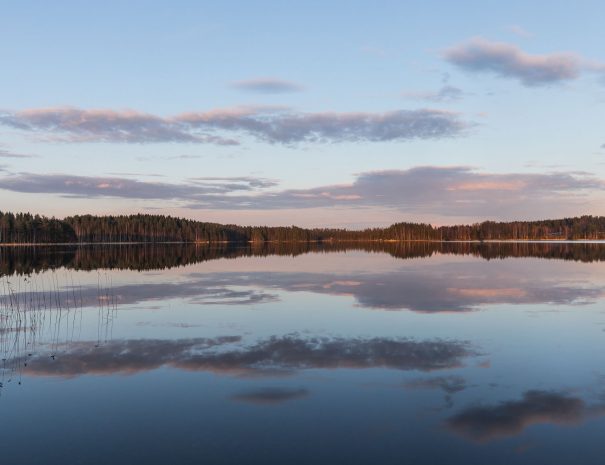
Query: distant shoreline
point(27, 229)
point(384, 241)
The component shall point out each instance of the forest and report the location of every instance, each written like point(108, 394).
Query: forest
point(25, 228)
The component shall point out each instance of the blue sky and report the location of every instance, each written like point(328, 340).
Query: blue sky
point(337, 113)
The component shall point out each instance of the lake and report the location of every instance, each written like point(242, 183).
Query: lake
point(399, 353)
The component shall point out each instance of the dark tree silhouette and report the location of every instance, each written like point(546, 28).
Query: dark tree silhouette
point(22, 228)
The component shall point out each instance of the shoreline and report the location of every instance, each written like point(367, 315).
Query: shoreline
point(389, 241)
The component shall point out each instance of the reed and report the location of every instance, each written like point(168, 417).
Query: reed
point(41, 315)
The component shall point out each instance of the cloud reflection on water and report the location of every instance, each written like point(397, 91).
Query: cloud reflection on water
point(451, 287)
point(270, 395)
point(273, 356)
point(484, 423)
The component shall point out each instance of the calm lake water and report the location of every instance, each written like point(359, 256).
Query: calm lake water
point(413, 353)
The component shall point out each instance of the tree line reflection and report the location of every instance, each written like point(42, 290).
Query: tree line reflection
point(29, 259)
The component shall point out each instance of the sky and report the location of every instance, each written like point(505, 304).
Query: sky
point(343, 114)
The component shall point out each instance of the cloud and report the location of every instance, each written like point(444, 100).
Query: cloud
point(170, 157)
point(270, 395)
point(268, 85)
point(8, 154)
point(119, 187)
point(456, 191)
point(76, 125)
point(509, 61)
point(487, 423)
point(127, 173)
point(273, 356)
point(446, 93)
point(445, 191)
point(237, 182)
point(288, 127)
point(267, 124)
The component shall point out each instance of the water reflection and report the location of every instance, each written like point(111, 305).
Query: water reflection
point(434, 287)
point(442, 288)
point(43, 315)
point(270, 395)
point(235, 354)
point(25, 260)
point(489, 422)
point(450, 385)
point(276, 356)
